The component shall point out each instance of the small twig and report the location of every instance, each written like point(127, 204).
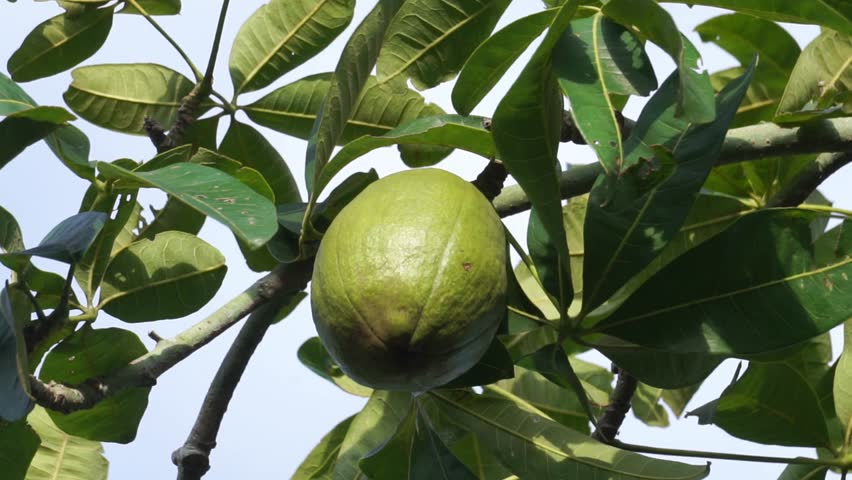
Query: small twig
point(193, 458)
point(619, 404)
point(155, 336)
point(144, 371)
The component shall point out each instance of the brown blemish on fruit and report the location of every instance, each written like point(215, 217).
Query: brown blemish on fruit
point(467, 266)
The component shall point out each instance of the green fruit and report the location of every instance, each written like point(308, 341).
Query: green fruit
point(409, 283)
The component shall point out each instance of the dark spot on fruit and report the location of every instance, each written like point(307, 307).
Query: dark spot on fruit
point(467, 266)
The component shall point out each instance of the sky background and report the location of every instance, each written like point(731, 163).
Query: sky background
point(280, 409)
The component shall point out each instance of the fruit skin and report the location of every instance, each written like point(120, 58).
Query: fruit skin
point(409, 283)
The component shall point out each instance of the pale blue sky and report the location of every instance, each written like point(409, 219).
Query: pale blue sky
point(281, 409)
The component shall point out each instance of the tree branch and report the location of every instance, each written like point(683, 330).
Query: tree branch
point(619, 404)
point(193, 458)
point(741, 144)
point(144, 371)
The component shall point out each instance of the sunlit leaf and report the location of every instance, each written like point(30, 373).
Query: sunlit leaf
point(60, 43)
point(532, 446)
point(319, 464)
point(429, 40)
point(120, 97)
point(347, 82)
point(170, 276)
point(281, 35)
point(250, 215)
point(821, 81)
point(64, 456)
point(694, 95)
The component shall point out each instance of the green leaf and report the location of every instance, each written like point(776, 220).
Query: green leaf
point(90, 269)
point(485, 465)
point(87, 354)
point(212, 192)
point(496, 364)
point(71, 147)
point(526, 127)
point(337, 200)
point(60, 43)
point(18, 445)
point(552, 362)
point(560, 404)
point(594, 59)
point(11, 238)
point(15, 403)
point(154, 7)
point(771, 404)
point(745, 35)
point(348, 80)
point(120, 96)
point(281, 35)
point(252, 149)
point(67, 142)
point(843, 381)
point(647, 408)
point(678, 398)
point(761, 272)
point(493, 57)
point(821, 81)
point(24, 127)
point(632, 216)
point(414, 452)
point(313, 355)
point(170, 277)
point(64, 456)
point(532, 446)
point(66, 242)
point(428, 41)
point(247, 175)
point(453, 131)
point(835, 14)
point(370, 428)
point(659, 368)
point(292, 109)
point(695, 95)
point(803, 472)
point(175, 215)
point(319, 464)
point(549, 261)
point(757, 180)
point(12, 97)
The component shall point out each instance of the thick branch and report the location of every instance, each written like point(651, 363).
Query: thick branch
point(741, 144)
point(193, 458)
point(619, 404)
point(144, 371)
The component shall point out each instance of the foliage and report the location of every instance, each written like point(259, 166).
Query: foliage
point(681, 247)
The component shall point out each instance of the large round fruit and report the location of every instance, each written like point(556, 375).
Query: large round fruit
point(409, 283)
